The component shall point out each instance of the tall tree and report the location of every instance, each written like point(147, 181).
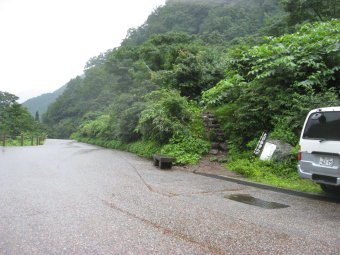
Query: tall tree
point(37, 118)
point(15, 119)
point(7, 100)
point(311, 10)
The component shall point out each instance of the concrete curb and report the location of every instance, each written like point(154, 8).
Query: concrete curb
point(328, 198)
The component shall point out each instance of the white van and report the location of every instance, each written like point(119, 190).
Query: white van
point(319, 150)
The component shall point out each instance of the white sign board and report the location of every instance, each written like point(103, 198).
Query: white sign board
point(260, 144)
point(268, 151)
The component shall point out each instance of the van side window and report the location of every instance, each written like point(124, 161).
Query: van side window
point(323, 125)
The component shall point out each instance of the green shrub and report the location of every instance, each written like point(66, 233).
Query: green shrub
point(196, 125)
point(166, 114)
point(250, 168)
point(124, 116)
point(96, 127)
point(144, 148)
point(283, 131)
point(186, 149)
point(226, 117)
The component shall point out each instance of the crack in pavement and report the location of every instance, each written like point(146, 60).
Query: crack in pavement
point(151, 189)
point(164, 230)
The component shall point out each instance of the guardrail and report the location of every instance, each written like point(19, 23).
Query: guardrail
point(21, 140)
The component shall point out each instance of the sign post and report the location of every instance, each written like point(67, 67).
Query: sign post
point(260, 144)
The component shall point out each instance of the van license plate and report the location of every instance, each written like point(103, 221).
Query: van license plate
point(325, 161)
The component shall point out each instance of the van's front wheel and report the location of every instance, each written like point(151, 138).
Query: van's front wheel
point(330, 188)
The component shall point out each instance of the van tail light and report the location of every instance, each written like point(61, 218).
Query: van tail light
point(299, 154)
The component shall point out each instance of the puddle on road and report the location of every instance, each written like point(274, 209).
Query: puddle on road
point(247, 199)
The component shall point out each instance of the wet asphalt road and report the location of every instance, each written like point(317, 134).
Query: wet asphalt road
point(72, 198)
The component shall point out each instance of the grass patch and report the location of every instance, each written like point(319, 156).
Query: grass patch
point(141, 148)
point(144, 148)
point(283, 174)
point(290, 183)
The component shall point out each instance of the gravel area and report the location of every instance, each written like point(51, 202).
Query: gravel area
point(205, 165)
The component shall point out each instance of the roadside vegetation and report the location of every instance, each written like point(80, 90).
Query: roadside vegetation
point(259, 65)
point(16, 123)
point(22, 140)
point(272, 87)
point(281, 174)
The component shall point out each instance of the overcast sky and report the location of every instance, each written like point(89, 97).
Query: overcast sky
point(45, 43)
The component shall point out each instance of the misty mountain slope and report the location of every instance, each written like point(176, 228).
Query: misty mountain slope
point(230, 19)
point(41, 103)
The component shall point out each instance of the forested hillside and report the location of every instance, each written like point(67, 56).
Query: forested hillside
point(147, 95)
point(40, 103)
point(217, 22)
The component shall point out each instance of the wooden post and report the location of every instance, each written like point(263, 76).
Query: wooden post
point(37, 140)
point(32, 138)
point(4, 140)
point(22, 140)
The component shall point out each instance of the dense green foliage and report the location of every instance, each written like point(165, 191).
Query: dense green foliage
point(166, 115)
point(168, 123)
point(225, 19)
point(186, 149)
point(301, 11)
point(15, 119)
point(272, 86)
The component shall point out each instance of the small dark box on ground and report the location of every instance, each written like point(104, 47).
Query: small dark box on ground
point(164, 162)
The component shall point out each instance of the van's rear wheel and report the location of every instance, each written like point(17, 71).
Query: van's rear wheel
point(330, 188)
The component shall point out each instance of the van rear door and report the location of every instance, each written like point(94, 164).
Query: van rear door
point(320, 147)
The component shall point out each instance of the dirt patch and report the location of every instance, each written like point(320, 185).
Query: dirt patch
point(206, 166)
